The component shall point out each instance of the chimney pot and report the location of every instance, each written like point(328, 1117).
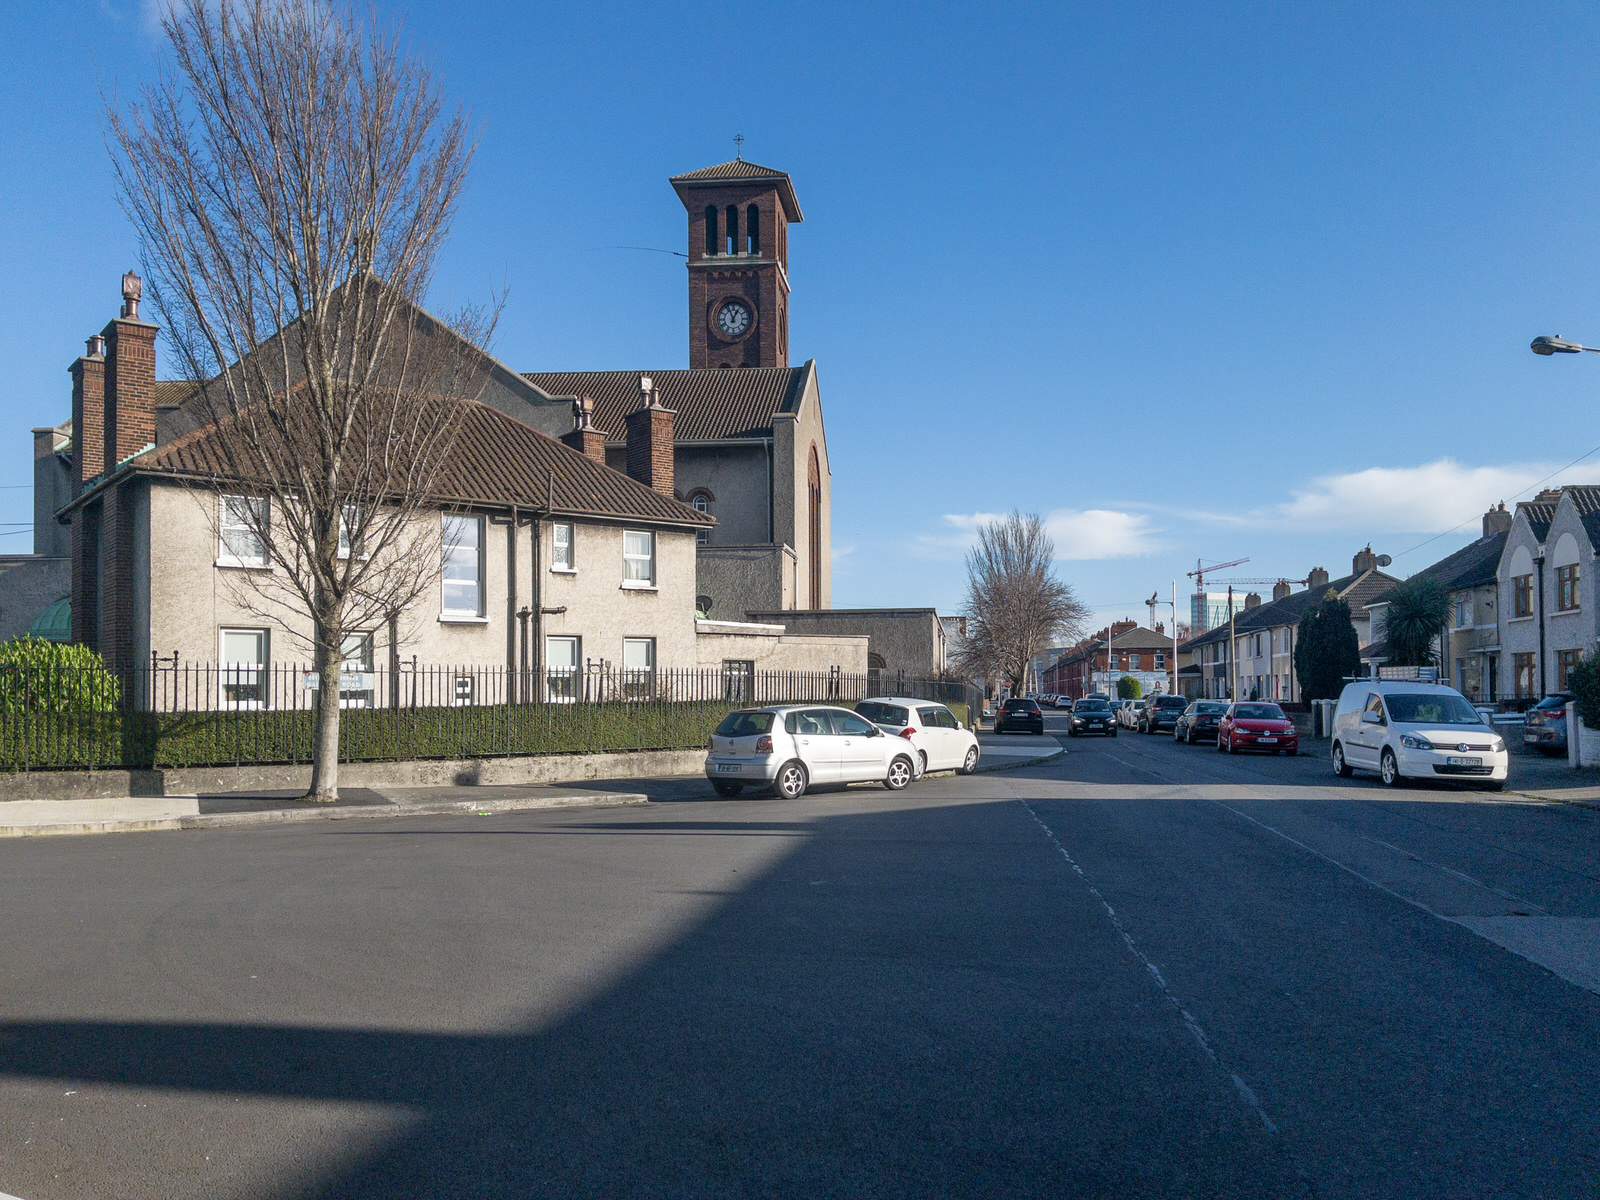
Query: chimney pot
point(1496, 520)
point(95, 347)
point(132, 293)
point(583, 436)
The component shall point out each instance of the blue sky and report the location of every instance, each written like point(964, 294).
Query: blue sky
point(1191, 280)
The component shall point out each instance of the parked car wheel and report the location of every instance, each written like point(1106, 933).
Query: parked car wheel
point(1071, 732)
point(1389, 769)
point(727, 788)
point(1340, 768)
point(791, 781)
point(1495, 785)
point(1189, 737)
point(971, 765)
point(900, 774)
point(1231, 750)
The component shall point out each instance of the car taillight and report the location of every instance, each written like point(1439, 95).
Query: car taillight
point(763, 745)
point(906, 733)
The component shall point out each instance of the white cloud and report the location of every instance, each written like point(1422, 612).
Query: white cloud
point(1079, 534)
point(1428, 498)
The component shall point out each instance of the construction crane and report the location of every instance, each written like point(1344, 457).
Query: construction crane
point(1201, 571)
point(1274, 579)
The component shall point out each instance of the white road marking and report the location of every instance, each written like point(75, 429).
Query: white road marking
point(1245, 1093)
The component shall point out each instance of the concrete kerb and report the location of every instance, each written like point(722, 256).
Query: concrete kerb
point(285, 816)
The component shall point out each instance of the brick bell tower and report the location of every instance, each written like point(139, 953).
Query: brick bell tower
point(739, 217)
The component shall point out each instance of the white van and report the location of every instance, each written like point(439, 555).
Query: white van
point(1407, 729)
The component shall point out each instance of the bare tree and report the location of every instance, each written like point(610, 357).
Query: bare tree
point(1015, 607)
point(292, 177)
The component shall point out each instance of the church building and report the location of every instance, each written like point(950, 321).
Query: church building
point(749, 446)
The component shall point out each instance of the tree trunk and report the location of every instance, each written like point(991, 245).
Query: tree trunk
point(325, 763)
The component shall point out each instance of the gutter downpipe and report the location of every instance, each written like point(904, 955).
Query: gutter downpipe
point(1538, 567)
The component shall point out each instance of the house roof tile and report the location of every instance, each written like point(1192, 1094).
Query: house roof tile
point(1471, 566)
point(1356, 590)
point(496, 461)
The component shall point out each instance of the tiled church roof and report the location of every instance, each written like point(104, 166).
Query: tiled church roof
point(740, 171)
point(709, 404)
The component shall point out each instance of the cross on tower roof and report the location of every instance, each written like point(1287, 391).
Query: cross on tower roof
point(738, 146)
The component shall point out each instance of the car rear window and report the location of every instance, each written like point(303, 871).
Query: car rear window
point(1259, 712)
point(1171, 702)
point(1021, 706)
point(883, 714)
point(1214, 707)
point(744, 724)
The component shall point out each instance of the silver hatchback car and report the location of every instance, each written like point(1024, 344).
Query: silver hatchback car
point(788, 748)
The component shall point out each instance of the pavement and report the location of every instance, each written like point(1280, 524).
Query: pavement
point(1137, 969)
point(145, 814)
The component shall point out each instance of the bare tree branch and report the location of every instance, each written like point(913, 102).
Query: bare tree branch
point(292, 177)
point(1015, 606)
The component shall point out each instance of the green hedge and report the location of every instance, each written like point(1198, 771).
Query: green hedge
point(45, 740)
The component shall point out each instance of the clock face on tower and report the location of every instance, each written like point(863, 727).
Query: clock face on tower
point(733, 319)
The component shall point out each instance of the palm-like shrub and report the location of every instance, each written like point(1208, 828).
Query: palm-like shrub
point(1418, 610)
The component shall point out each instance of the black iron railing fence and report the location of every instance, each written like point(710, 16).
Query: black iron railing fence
point(172, 714)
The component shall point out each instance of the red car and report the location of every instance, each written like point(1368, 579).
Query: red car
point(1254, 725)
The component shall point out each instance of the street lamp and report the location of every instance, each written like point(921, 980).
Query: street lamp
point(1558, 345)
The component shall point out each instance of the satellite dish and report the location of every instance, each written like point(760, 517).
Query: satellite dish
point(1384, 560)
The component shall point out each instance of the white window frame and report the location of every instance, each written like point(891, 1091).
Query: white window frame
point(561, 683)
point(243, 674)
point(630, 561)
point(570, 566)
point(344, 532)
point(225, 555)
point(1161, 660)
point(638, 683)
point(701, 502)
point(446, 613)
point(366, 648)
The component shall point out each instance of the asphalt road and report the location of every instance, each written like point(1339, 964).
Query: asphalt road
point(1138, 970)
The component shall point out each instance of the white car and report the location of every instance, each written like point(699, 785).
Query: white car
point(942, 742)
point(1406, 729)
point(790, 747)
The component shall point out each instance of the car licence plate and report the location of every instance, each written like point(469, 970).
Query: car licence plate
point(1266, 739)
point(1465, 762)
point(727, 768)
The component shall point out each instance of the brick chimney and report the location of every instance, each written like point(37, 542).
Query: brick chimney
point(1364, 560)
point(1317, 578)
point(1253, 600)
point(584, 437)
point(650, 440)
point(130, 379)
point(89, 412)
point(1496, 520)
point(1280, 590)
point(1118, 628)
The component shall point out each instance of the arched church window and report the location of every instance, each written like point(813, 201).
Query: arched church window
point(752, 224)
point(733, 229)
point(814, 525)
point(711, 230)
point(700, 501)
